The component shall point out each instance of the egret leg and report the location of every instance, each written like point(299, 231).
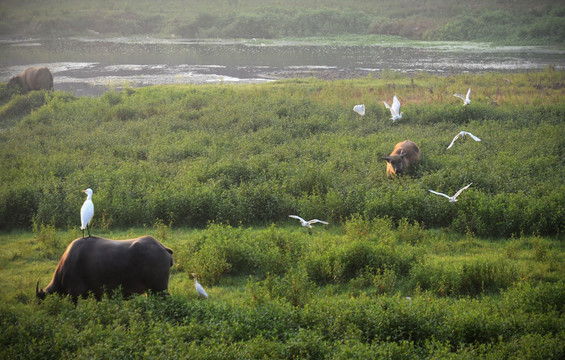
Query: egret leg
point(87, 229)
point(82, 232)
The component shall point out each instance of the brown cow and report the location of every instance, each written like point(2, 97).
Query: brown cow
point(405, 155)
point(33, 78)
point(97, 265)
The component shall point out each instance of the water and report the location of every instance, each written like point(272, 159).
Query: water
point(88, 66)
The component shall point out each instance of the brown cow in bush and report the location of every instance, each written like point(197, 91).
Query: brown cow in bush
point(33, 78)
point(97, 265)
point(404, 156)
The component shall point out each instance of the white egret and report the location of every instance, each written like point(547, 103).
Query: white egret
point(451, 198)
point(394, 109)
point(308, 224)
point(463, 133)
point(466, 99)
point(359, 109)
point(199, 289)
point(86, 211)
point(409, 300)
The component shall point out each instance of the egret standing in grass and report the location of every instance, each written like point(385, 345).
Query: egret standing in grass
point(451, 198)
point(308, 224)
point(463, 133)
point(466, 99)
point(199, 289)
point(394, 109)
point(86, 211)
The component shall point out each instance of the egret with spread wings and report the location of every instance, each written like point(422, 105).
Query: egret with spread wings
point(451, 198)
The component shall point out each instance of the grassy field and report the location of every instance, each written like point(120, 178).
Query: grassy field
point(277, 292)
point(250, 155)
point(214, 171)
point(517, 21)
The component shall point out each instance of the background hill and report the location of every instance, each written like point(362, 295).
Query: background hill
point(514, 21)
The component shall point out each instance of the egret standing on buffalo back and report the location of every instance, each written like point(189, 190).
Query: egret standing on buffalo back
point(86, 212)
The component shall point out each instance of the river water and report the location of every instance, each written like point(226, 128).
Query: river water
point(90, 66)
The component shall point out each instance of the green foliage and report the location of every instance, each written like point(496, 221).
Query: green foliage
point(492, 25)
point(488, 308)
point(511, 21)
point(468, 278)
point(20, 104)
point(246, 155)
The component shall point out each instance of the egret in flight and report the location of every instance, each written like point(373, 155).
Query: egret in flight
point(308, 224)
point(451, 198)
point(394, 109)
point(359, 109)
point(86, 211)
point(199, 289)
point(463, 133)
point(466, 99)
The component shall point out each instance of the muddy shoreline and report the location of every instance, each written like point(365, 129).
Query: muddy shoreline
point(89, 66)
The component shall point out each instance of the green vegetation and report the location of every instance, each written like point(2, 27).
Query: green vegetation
point(517, 21)
point(278, 293)
point(214, 171)
point(251, 155)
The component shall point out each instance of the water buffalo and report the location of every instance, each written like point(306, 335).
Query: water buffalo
point(97, 265)
point(33, 78)
point(405, 155)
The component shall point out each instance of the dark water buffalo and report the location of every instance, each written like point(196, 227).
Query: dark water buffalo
point(405, 155)
point(99, 265)
point(33, 78)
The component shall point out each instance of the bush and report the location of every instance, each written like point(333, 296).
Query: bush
point(470, 278)
point(350, 260)
point(21, 105)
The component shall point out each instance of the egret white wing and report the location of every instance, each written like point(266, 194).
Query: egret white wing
point(468, 94)
point(313, 221)
point(453, 141)
point(472, 136)
point(395, 106)
point(460, 190)
point(462, 97)
point(296, 217)
point(438, 193)
point(387, 106)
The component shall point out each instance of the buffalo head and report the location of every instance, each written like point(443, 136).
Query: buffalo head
point(15, 82)
point(39, 293)
point(396, 162)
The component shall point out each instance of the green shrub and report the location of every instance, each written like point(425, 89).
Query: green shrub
point(21, 105)
point(290, 147)
point(352, 259)
point(469, 278)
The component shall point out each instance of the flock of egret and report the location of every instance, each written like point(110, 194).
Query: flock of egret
point(395, 108)
point(87, 209)
point(396, 115)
